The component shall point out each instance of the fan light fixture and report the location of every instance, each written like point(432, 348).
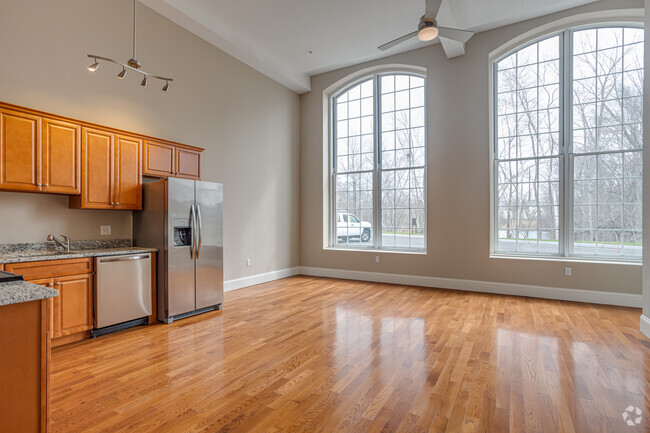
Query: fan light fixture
point(133, 64)
point(427, 32)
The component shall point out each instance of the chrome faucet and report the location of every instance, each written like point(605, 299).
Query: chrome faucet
point(66, 239)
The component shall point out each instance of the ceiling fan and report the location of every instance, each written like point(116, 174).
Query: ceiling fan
point(428, 29)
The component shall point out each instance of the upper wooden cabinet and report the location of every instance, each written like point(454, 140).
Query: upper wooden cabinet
point(159, 159)
point(168, 160)
point(98, 167)
point(39, 154)
point(20, 151)
point(188, 163)
point(61, 159)
point(110, 170)
point(128, 173)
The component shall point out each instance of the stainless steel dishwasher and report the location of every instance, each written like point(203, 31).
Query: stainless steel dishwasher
point(122, 292)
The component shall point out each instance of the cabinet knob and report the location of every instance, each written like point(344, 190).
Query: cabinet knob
point(58, 284)
point(117, 204)
point(51, 285)
point(112, 203)
point(46, 185)
point(38, 184)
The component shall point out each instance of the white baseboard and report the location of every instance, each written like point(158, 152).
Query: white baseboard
point(240, 283)
point(608, 298)
point(645, 326)
point(562, 294)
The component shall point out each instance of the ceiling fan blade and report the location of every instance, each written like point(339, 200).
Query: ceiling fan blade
point(397, 41)
point(454, 34)
point(433, 6)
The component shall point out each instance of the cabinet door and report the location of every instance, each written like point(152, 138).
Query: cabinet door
point(128, 173)
point(20, 150)
point(188, 164)
point(73, 308)
point(61, 157)
point(159, 159)
point(96, 170)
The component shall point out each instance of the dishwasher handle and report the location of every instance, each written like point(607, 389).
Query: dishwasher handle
point(124, 258)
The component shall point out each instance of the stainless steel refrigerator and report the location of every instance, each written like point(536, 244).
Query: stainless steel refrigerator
point(183, 219)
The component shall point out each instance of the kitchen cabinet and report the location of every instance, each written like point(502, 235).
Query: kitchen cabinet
point(20, 151)
point(188, 163)
point(111, 171)
point(25, 372)
point(159, 159)
point(61, 157)
point(72, 310)
point(38, 154)
point(168, 160)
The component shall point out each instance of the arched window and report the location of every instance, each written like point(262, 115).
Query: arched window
point(378, 182)
point(568, 142)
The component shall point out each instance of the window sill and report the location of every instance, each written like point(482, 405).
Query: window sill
point(377, 250)
point(595, 260)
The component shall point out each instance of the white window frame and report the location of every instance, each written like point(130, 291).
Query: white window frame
point(376, 245)
point(564, 28)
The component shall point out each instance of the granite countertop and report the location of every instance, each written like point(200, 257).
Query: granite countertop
point(15, 292)
point(15, 253)
point(38, 255)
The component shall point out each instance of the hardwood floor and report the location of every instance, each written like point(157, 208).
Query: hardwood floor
point(311, 354)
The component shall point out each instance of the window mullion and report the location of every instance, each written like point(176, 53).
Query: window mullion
point(566, 172)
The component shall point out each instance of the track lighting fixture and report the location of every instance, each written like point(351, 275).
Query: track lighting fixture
point(133, 63)
point(94, 66)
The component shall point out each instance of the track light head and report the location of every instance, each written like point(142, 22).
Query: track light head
point(94, 66)
point(122, 74)
point(144, 81)
point(166, 86)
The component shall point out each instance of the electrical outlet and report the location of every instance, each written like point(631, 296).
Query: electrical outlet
point(248, 262)
point(105, 230)
point(567, 272)
point(376, 259)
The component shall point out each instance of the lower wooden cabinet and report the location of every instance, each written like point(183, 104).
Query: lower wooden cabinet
point(72, 310)
point(25, 367)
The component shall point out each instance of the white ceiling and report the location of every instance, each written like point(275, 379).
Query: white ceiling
point(291, 40)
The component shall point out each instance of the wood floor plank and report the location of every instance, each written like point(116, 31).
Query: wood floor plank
point(309, 354)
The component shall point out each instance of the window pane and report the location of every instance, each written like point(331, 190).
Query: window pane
point(403, 186)
point(607, 117)
point(354, 209)
point(528, 138)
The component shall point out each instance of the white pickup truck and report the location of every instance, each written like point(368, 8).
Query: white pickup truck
point(348, 226)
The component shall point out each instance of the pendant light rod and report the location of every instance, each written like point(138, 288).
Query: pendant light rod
point(134, 18)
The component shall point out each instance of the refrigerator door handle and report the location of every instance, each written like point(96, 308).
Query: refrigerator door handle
point(198, 217)
point(193, 230)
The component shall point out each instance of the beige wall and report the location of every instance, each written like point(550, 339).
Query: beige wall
point(248, 123)
point(458, 177)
